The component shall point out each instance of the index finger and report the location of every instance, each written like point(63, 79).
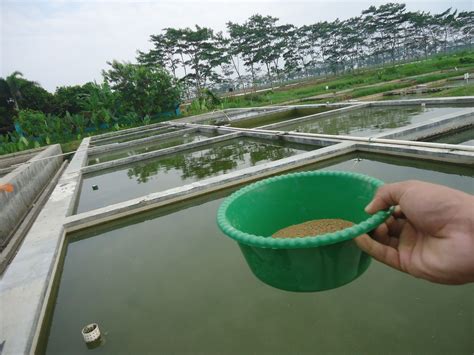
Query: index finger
point(387, 196)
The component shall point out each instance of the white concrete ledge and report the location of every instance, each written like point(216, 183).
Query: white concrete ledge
point(25, 285)
point(427, 101)
point(313, 116)
point(159, 153)
point(451, 121)
point(126, 131)
point(138, 134)
point(153, 200)
point(133, 143)
point(28, 180)
point(433, 154)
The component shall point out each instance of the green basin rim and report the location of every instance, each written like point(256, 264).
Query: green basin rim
point(301, 242)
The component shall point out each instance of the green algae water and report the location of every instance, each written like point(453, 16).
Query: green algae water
point(169, 282)
point(141, 178)
point(366, 122)
point(126, 137)
point(464, 137)
point(279, 117)
point(149, 147)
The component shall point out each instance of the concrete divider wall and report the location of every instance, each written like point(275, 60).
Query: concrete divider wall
point(10, 160)
point(443, 124)
point(28, 180)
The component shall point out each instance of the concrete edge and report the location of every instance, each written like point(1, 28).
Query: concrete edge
point(159, 153)
point(28, 180)
point(26, 283)
point(75, 174)
point(100, 142)
point(45, 153)
point(33, 151)
point(136, 142)
point(7, 254)
point(159, 199)
point(418, 130)
point(128, 130)
point(428, 100)
point(311, 117)
point(204, 186)
point(433, 154)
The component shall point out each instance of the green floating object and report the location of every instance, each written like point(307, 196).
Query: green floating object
point(252, 214)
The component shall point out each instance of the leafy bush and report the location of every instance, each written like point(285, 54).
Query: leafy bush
point(12, 142)
point(466, 60)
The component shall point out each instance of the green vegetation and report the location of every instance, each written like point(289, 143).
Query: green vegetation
point(263, 51)
point(360, 56)
point(467, 90)
point(131, 95)
point(356, 82)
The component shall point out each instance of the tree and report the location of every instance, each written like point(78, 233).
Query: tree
point(7, 108)
point(386, 33)
point(34, 97)
point(264, 42)
point(417, 33)
point(203, 56)
point(240, 47)
point(142, 89)
point(71, 98)
point(384, 26)
point(465, 26)
point(13, 84)
point(18, 93)
point(445, 26)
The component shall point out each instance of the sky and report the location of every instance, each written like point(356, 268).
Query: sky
point(68, 42)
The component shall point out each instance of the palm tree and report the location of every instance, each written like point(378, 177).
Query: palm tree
point(11, 87)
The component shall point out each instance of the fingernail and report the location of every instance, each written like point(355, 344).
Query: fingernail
point(368, 207)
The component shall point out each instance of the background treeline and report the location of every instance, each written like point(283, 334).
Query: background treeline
point(130, 95)
point(262, 51)
point(195, 63)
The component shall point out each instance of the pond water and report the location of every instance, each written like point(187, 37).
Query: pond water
point(279, 117)
point(464, 137)
point(126, 137)
point(141, 178)
point(168, 281)
point(370, 121)
point(149, 147)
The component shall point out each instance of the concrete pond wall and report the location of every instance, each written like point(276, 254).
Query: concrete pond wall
point(28, 181)
point(28, 284)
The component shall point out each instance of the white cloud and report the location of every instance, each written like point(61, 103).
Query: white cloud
point(68, 42)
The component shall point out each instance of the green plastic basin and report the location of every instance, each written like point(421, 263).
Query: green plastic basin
point(314, 263)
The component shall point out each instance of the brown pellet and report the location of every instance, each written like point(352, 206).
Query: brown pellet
point(312, 228)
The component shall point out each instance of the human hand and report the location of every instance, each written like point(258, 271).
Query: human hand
point(430, 235)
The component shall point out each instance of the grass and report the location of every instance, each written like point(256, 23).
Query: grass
point(70, 146)
point(356, 84)
point(467, 90)
point(425, 70)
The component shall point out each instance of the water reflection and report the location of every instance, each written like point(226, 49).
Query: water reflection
point(464, 137)
point(137, 135)
point(144, 148)
point(220, 158)
point(278, 117)
point(368, 121)
point(153, 272)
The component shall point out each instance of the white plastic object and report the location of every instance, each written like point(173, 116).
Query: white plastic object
point(91, 332)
